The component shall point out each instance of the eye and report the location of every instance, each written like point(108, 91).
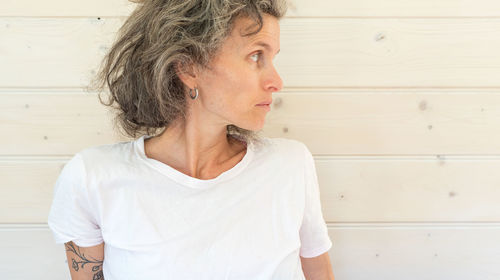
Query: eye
point(256, 54)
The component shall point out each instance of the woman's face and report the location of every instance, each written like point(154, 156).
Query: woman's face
point(241, 76)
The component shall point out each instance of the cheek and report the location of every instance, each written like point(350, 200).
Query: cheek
point(219, 91)
point(233, 90)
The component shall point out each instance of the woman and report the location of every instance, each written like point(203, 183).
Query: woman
point(206, 197)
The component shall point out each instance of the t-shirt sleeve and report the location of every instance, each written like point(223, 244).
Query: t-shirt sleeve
point(313, 231)
point(71, 216)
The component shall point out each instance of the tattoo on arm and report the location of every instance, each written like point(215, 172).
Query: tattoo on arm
point(96, 264)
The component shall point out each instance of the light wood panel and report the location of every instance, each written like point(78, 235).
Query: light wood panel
point(27, 189)
point(315, 52)
point(389, 122)
point(390, 52)
point(52, 52)
point(406, 189)
point(66, 8)
point(393, 8)
point(31, 253)
point(431, 252)
point(53, 124)
point(352, 190)
point(330, 122)
point(300, 8)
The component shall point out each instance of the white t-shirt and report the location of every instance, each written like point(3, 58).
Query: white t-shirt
point(251, 222)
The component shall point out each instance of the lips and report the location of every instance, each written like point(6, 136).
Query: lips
point(265, 103)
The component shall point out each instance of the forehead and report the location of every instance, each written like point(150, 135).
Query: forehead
point(268, 35)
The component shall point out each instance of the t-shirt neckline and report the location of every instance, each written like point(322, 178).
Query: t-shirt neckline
point(185, 179)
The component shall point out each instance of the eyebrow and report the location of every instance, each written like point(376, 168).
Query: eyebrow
point(265, 45)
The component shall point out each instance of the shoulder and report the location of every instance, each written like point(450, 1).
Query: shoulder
point(76, 173)
point(287, 158)
point(284, 147)
point(108, 155)
point(288, 144)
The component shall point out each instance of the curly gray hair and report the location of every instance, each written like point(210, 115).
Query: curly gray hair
point(139, 68)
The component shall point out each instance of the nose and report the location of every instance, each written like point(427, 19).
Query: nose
point(274, 82)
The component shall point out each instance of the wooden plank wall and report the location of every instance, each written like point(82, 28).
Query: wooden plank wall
point(398, 100)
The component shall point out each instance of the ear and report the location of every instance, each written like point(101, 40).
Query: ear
point(186, 74)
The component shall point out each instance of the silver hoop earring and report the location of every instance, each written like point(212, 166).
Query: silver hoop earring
point(196, 93)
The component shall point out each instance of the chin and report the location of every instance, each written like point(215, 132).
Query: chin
point(252, 122)
point(253, 126)
point(257, 126)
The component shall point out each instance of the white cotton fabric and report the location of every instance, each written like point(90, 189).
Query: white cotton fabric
point(253, 221)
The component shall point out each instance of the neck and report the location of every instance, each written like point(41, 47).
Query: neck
point(195, 150)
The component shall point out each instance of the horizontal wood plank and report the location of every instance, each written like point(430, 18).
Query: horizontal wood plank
point(415, 253)
point(27, 189)
point(315, 52)
point(335, 123)
point(297, 8)
point(389, 52)
point(389, 122)
point(31, 253)
point(53, 124)
point(67, 8)
point(440, 189)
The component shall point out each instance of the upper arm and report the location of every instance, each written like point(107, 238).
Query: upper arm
point(85, 263)
point(317, 268)
point(314, 238)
